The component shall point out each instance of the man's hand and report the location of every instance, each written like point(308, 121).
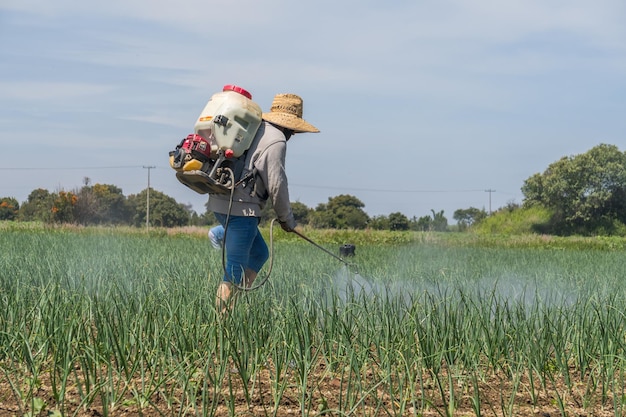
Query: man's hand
point(288, 226)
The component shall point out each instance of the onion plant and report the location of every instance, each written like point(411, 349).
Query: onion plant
point(106, 322)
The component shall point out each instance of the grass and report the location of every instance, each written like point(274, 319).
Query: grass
point(121, 322)
point(358, 237)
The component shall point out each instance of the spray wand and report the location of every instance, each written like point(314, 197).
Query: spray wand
point(350, 266)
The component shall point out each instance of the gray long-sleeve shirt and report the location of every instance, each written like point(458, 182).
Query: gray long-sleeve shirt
point(267, 155)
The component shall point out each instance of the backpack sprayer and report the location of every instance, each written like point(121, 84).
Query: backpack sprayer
point(211, 160)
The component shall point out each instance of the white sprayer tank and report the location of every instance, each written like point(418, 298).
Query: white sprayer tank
point(229, 121)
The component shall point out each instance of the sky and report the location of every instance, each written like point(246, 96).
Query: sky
point(422, 105)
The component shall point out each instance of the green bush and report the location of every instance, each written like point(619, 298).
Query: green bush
point(515, 222)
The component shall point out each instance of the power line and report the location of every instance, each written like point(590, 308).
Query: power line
point(324, 187)
point(68, 168)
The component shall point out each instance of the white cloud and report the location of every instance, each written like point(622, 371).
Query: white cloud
point(157, 119)
point(199, 13)
point(54, 91)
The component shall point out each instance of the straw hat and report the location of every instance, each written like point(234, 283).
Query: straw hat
point(286, 111)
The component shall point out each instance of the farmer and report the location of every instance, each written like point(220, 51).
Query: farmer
point(246, 250)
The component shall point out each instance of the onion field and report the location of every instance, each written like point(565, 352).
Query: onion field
point(95, 322)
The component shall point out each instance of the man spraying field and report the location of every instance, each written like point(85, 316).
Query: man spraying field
point(239, 213)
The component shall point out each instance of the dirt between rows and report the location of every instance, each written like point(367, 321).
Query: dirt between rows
point(326, 394)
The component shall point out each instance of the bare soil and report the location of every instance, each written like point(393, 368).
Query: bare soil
point(326, 393)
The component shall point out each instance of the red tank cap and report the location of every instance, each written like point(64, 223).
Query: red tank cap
point(229, 153)
point(237, 89)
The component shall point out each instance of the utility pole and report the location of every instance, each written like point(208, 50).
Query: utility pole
point(490, 191)
point(148, 167)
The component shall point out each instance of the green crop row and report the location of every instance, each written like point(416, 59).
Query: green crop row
point(119, 323)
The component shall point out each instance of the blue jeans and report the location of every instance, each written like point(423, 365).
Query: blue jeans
point(244, 245)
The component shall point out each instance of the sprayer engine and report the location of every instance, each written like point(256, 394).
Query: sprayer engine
point(203, 167)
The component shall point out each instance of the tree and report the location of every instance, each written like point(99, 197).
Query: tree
point(300, 212)
point(466, 217)
point(38, 206)
point(63, 206)
point(439, 223)
point(398, 221)
point(102, 204)
point(321, 218)
point(379, 223)
point(341, 212)
point(164, 210)
point(586, 192)
point(423, 224)
point(9, 208)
